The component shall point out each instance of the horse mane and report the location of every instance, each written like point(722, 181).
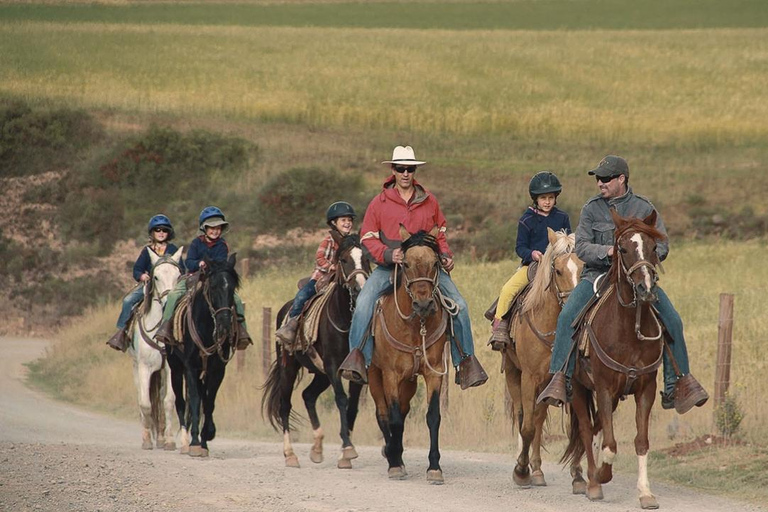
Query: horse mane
point(564, 244)
point(631, 225)
point(422, 238)
point(349, 241)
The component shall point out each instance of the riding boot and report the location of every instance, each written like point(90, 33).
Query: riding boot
point(353, 367)
point(688, 392)
point(500, 338)
point(165, 333)
point(287, 333)
point(243, 338)
point(471, 373)
point(556, 392)
point(119, 341)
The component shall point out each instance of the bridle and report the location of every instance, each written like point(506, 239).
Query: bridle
point(347, 280)
point(627, 275)
point(160, 299)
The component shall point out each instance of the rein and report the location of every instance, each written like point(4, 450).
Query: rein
point(634, 303)
point(218, 345)
point(159, 299)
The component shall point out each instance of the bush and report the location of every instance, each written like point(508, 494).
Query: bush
point(67, 298)
point(35, 141)
point(728, 416)
point(298, 198)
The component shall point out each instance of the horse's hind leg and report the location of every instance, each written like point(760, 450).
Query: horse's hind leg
point(643, 403)
point(539, 417)
point(583, 422)
point(310, 395)
point(287, 379)
point(142, 376)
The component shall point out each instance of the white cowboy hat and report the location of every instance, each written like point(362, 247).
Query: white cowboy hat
point(403, 155)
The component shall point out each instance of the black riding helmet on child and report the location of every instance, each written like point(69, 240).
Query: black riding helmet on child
point(339, 209)
point(544, 182)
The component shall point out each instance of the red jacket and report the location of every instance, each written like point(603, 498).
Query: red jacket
point(381, 226)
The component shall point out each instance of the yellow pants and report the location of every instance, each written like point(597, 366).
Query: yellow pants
point(516, 283)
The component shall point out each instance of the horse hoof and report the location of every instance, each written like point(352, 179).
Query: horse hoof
point(146, 445)
point(184, 450)
point(435, 477)
point(198, 451)
point(579, 486)
point(397, 473)
point(292, 461)
point(384, 451)
point(315, 456)
point(595, 493)
point(522, 478)
point(349, 452)
point(169, 446)
point(537, 479)
point(344, 463)
point(649, 502)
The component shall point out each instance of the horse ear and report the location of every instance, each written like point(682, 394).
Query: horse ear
point(435, 230)
point(551, 236)
point(153, 257)
point(404, 234)
point(207, 262)
point(651, 219)
point(232, 260)
point(336, 236)
point(618, 220)
point(177, 255)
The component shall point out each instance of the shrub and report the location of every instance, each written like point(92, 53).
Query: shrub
point(67, 298)
point(728, 416)
point(298, 198)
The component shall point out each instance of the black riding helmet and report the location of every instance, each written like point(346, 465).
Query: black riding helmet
point(544, 182)
point(339, 209)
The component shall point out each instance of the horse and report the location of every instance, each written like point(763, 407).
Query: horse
point(410, 327)
point(207, 345)
point(332, 345)
point(627, 338)
point(151, 374)
point(527, 364)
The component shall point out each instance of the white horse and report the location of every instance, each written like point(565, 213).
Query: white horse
point(150, 368)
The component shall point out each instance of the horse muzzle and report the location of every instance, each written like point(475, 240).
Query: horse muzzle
point(646, 295)
point(424, 307)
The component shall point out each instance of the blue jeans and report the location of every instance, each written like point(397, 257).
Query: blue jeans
point(576, 302)
point(302, 296)
point(131, 299)
point(377, 283)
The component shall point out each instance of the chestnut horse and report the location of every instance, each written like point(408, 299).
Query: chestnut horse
point(527, 365)
point(626, 337)
point(410, 331)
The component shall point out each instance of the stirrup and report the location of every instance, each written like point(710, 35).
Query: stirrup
point(471, 373)
point(555, 394)
point(689, 393)
point(353, 367)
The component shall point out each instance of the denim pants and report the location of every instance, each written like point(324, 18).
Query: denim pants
point(178, 292)
point(377, 283)
point(132, 298)
point(668, 316)
point(302, 296)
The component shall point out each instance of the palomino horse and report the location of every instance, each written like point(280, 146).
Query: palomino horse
point(625, 343)
point(410, 332)
point(353, 268)
point(527, 366)
point(207, 345)
point(151, 374)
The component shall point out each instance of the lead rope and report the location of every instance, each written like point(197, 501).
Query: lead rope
point(423, 333)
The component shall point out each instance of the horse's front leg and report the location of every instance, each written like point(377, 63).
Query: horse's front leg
point(605, 405)
point(169, 399)
point(348, 451)
point(310, 395)
point(194, 395)
point(142, 375)
point(213, 381)
point(434, 385)
point(513, 380)
point(539, 417)
point(522, 474)
point(177, 388)
point(643, 403)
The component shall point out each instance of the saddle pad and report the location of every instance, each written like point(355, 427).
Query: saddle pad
point(311, 317)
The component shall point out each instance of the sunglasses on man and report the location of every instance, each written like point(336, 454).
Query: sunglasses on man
point(400, 169)
point(607, 179)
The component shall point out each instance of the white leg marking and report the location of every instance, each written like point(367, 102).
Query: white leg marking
point(519, 445)
point(287, 447)
point(318, 434)
point(643, 486)
point(608, 456)
point(597, 442)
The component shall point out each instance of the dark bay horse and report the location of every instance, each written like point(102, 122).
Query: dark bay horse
point(625, 346)
point(207, 345)
point(410, 332)
point(526, 367)
point(332, 345)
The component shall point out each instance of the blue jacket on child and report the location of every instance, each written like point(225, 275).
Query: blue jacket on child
point(218, 250)
point(532, 231)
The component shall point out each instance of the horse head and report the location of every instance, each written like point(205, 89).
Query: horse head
point(634, 255)
point(220, 282)
point(354, 264)
point(566, 266)
point(165, 272)
point(421, 269)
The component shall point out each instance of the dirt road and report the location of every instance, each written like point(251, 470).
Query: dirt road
point(55, 457)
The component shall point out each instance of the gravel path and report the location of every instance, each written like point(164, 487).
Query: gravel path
point(55, 457)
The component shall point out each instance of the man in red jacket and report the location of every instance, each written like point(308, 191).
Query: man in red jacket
point(403, 201)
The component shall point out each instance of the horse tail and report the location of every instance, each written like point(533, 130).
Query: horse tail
point(270, 399)
point(156, 401)
point(576, 449)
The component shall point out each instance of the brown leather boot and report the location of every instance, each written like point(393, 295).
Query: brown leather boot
point(688, 392)
point(500, 338)
point(353, 367)
point(555, 393)
point(165, 333)
point(287, 333)
point(471, 373)
point(119, 341)
point(243, 338)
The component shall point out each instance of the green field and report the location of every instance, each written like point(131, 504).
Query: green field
point(488, 93)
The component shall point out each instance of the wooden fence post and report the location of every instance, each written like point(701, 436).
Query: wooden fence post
point(245, 267)
point(724, 343)
point(266, 340)
point(240, 354)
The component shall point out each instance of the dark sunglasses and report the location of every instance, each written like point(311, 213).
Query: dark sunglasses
point(607, 179)
point(400, 169)
point(161, 230)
